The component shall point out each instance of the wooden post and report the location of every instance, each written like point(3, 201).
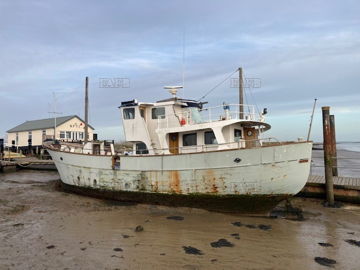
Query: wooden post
point(241, 94)
point(329, 183)
point(86, 110)
point(333, 146)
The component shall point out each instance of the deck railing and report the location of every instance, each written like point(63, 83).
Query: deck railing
point(213, 147)
point(192, 116)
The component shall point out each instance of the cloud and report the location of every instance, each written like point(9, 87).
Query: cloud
point(300, 52)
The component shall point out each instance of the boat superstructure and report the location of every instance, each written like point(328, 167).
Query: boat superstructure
point(185, 153)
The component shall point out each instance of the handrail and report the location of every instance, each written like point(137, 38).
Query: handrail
point(215, 113)
point(211, 146)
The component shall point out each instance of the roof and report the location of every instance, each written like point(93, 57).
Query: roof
point(43, 123)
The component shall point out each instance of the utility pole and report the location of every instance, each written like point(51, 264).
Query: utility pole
point(54, 113)
point(241, 94)
point(86, 110)
point(328, 159)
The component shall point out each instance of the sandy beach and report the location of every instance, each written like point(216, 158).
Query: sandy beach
point(42, 227)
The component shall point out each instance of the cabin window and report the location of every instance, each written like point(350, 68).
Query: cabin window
point(189, 139)
point(209, 137)
point(141, 148)
point(129, 113)
point(237, 135)
point(158, 113)
point(62, 134)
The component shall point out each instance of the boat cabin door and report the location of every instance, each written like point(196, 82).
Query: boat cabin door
point(250, 136)
point(174, 143)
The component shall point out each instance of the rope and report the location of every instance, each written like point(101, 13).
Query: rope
point(212, 89)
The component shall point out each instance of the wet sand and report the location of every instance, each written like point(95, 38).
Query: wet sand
point(44, 228)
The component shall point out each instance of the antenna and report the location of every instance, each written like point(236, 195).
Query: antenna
point(183, 60)
point(54, 112)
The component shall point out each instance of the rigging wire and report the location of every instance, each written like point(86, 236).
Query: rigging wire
point(216, 86)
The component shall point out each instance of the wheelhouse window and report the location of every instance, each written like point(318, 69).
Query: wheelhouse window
point(141, 148)
point(237, 135)
point(189, 139)
point(129, 113)
point(209, 137)
point(62, 134)
point(158, 113)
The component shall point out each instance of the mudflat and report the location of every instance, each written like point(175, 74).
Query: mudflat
point(42, 227)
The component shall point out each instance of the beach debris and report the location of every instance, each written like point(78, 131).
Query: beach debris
point(139, 228)
point(325, 244)
point(221, 243)
point(353, 242)
point(235, 235)
point(213, 260)
point(162, 254)
point(325, 261)
point(250, 226)
point(125, 236)
point(118, 249)
point(352, 233)
point(264, 227)
point(18, 224)
point(237, 223)
point(84, 248)
point(175, 217)
point(50, 247)
point(192, 250)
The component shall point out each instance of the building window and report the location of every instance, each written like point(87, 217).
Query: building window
point(141, 148)
point(68, 134)
point(17, 138)
point(62, 134)
point(189, 139)
point(158, 113)
point(81, 135)
point(30, 135)
point(237, 135)
point(44, 132)
point(209, 137)
point(129, 113)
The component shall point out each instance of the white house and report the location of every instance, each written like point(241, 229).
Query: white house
point(68, 128)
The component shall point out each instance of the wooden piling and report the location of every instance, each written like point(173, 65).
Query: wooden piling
point(328, 162)
point(333, 146)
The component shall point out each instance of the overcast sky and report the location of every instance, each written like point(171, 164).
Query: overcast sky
point(300, 51)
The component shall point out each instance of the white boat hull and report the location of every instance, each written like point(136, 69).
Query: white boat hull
point(272, 172)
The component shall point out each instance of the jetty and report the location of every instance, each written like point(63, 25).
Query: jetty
point(346, 189)
point(26, 163)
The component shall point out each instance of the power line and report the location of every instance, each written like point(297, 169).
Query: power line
point(212, 89)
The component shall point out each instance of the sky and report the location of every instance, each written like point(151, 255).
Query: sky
point(299, 50)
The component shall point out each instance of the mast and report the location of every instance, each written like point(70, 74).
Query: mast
point(86, 109)
point(241, 94)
